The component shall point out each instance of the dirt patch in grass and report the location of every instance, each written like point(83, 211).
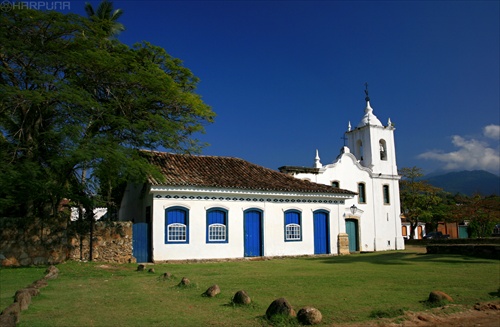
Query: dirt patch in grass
point(415, 248)
point(482, 314)
point(113, 267)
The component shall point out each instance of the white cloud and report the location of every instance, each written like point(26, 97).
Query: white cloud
point(492, 131)
point(472, 154)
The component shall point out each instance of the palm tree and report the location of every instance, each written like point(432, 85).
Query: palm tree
point(105, 15)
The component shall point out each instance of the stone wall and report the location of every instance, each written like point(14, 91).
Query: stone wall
point(35, 244)
point(112, 242)
point(24, 244)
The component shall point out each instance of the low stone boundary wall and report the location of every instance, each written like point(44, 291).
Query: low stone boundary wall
point(458, 241)
point(112, 242)
point(490, 251)
point(33, 244)
point(9, 317)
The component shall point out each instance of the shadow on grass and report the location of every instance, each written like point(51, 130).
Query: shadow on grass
point(400, 258)
point(496, 294)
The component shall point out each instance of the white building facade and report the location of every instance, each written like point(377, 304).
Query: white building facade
point(367, 165)
point(207, 207)
point(225, 208)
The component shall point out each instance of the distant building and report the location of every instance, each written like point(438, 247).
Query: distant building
point(406, 229)
point(98, 213)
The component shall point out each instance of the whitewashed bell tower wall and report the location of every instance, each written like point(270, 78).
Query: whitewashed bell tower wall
point(369, 159)
point(373, 144)
point(374, 147)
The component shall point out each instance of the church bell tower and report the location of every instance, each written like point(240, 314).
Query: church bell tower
point(373, 143)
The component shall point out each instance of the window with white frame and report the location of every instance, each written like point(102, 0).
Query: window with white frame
point(293, 225)
point(217, 226)
point(176, 232)
point(176, 225)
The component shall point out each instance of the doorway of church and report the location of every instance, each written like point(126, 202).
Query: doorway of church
point(351, 228)
point(253, 233)
point(321, 235)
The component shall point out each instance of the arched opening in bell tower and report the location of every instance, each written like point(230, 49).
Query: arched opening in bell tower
point(383, 149)
point(359, 149)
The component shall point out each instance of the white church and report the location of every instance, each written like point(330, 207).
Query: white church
point(366, 166)
point(210, 207)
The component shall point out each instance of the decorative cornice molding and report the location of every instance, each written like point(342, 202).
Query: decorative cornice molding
point(245, 199)
point(224, 192)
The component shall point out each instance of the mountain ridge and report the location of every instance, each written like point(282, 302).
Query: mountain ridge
point(468, 182)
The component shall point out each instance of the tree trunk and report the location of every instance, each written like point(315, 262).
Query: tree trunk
point(80, 222)
point(413, 227)
point(91, 241)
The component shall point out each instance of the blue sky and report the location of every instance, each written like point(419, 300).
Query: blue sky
point(286, 77)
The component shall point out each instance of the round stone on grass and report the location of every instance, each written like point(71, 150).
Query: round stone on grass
point(309, 316)
point(280, 307)
point(241, 297)
point(212, 291)
point(184, 282)
point(438, 296)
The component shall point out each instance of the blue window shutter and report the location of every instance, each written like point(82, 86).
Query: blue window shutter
point(215, 233)
point(216, 217)
point(176, 216)
point(292, 217)
point(293, 226)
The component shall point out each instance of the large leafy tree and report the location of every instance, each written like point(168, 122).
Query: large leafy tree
point(419, 200)
point(76, 106)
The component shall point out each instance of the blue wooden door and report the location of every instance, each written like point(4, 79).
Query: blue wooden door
point(253, 233)
point(351, 228)
point(321, 235)
point(141, 242)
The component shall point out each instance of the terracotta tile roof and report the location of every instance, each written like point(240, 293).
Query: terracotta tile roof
point(227, 172)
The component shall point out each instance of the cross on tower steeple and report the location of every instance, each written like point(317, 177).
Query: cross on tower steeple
point(366, 92)
point(344, 138)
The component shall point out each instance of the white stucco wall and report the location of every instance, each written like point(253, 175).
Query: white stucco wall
point(379, 223)
point(273, 237)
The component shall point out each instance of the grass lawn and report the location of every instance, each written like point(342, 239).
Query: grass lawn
point(12, 279)
point(344, 288)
